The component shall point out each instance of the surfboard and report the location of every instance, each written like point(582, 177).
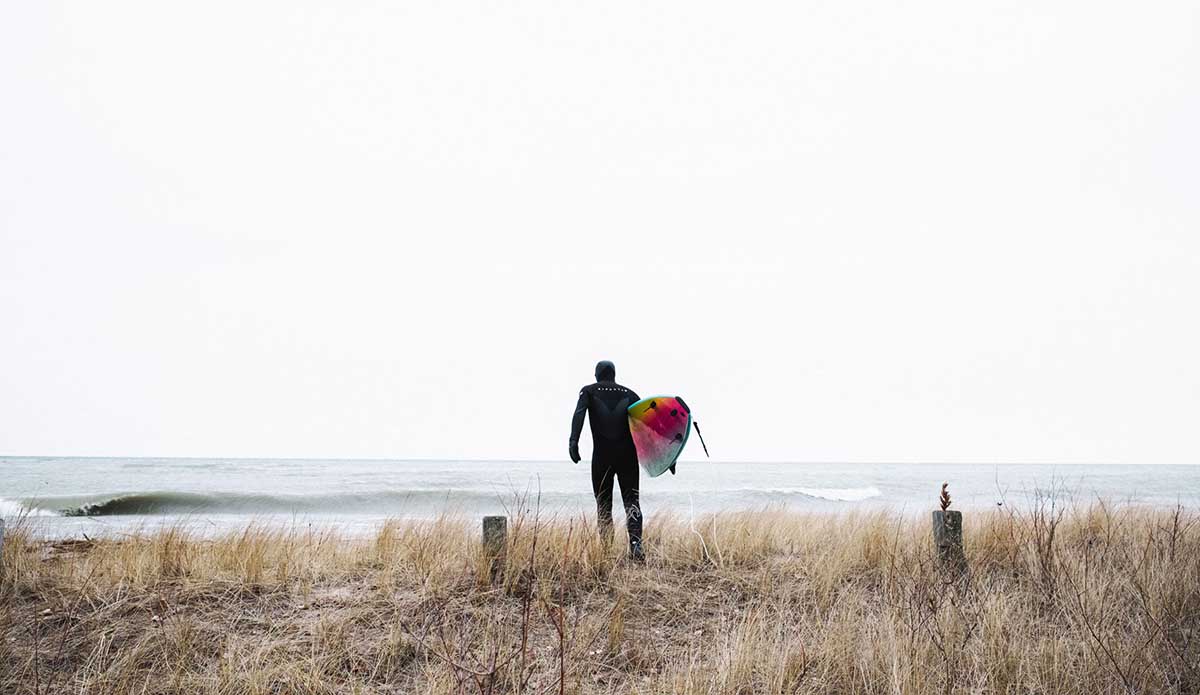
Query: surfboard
point(660, 427)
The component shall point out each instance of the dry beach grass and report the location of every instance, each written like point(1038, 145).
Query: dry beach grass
point(1094, 599)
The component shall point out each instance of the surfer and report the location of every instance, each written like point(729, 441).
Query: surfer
point(613, 454)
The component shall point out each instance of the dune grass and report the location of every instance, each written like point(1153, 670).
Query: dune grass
point(1094, 599)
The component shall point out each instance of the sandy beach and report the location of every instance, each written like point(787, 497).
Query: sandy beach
point(1093, 599)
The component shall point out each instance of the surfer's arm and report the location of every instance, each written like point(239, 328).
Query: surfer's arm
point(581, 407)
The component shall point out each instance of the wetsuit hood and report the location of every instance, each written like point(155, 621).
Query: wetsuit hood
point(606, 371)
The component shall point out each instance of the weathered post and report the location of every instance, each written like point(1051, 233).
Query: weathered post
point(495, 530)
point(947, 536)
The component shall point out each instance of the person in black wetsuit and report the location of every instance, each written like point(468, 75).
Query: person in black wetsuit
point(613, 454)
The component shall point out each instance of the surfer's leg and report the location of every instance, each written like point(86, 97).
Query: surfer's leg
point(628, 478)
point(602, 488)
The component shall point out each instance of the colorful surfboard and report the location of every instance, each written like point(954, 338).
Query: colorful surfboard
point(660, 427)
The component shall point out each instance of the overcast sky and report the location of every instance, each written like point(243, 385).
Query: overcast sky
point(842, 230)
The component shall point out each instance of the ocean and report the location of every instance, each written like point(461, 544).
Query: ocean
point(70, 497)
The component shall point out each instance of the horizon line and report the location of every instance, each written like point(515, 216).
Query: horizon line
point(1030, 462)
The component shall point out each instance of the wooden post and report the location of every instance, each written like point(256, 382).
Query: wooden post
point(947, 536)
point(495, 530)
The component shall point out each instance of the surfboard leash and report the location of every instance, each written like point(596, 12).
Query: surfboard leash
point(697, 426)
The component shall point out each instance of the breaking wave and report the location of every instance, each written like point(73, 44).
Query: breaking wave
point(838, 494)
point(161, 503)
point(382, 502)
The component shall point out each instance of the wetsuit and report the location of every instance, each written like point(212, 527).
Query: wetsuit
point(613, 454)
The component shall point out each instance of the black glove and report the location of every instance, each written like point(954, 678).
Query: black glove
point(672, 469)
point(575, 451)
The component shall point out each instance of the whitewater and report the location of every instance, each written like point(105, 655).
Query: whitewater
point(71, 497)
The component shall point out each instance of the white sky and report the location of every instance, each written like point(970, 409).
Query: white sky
point(842, 230)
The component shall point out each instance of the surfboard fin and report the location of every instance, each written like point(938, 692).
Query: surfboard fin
point(697, 426)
